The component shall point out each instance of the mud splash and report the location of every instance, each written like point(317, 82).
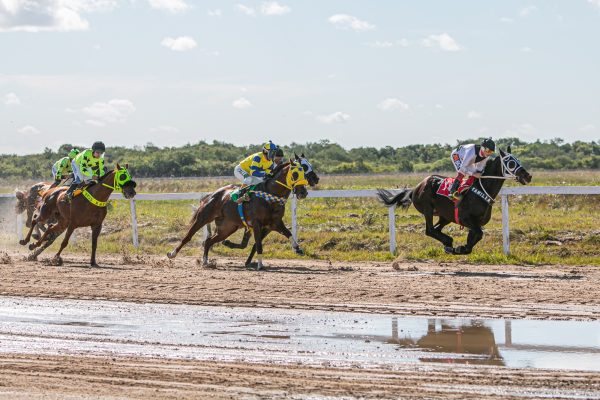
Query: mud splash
point(45, 326)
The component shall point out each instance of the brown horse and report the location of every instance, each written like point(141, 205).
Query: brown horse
point(474, 210)
point(27, 201)
point(259, 213)
point(313, 180)
point(87, 209)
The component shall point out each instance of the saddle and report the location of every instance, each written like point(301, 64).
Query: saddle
point(444, 188)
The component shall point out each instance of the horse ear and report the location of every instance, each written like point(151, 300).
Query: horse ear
point(508, 149)
point(296, 156)
point(302, 155)
point(126, 165)
point(117, 167)
point(19, 195)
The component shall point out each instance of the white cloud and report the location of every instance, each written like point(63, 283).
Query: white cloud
point(274, 8)
point(381, 45)
point(245, 9)
point(165, 129)
point(115, 110)
point(390, 104)
point(526, 11)
point(172, 6)
point(588, 127)
point(182, 43)
point(11, 99)
point(345, 21)
point(403, 43)
point(439, 106)
point(525, 49)
point(594, 3)
point(29, 130)
point(474, 115)
point(336, 117)
point(215, 13)
point(241, 103)
point(443, 41)
point(49, 15)
point(507, 20)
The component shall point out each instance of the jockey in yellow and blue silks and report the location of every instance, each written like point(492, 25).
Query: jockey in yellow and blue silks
point(62, 168)
point(88, 165)
point(254, 168)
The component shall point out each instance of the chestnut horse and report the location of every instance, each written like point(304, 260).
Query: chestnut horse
point(27, 201)
point(87, 209)
point(259, 212)
point(474, 210)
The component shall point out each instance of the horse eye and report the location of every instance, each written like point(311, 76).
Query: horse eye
point(295, 176)
point(512, 164)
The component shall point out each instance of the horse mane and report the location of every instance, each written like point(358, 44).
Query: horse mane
point(490, 165)
point(276, 172)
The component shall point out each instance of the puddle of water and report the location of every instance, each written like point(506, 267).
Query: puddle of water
point(311, 337)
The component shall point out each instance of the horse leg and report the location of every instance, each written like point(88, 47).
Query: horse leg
point(51, 238)
point(57, 227)
point(474, 236)
point(95, 233)
point(27, 238)
point(223, 232)
point(37, 219)
point(258, 236)
point(64, 243)
point(442, 222)
point(198, 223)
point(248, 264)
point(435, 233)
point(241, 245)
point(281, 228)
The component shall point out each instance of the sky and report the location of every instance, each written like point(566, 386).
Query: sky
point(356, 72)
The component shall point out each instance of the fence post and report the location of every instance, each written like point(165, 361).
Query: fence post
point(134, 227)
point(20, 226)
point(294, 218)
point(392, 223)
point(505, 230)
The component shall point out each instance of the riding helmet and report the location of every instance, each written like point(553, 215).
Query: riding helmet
point(269, 149)
point(489, 144)
point(98, 146)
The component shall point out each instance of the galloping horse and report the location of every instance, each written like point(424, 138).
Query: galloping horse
point(27, 200)
point(88, 209)
point(258, 213)
point(473, 211)
point(312, 178)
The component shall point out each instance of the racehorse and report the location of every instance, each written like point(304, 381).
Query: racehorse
point(473, 211)
point(87, 209)
point(27, 200)
point(258, 213)
point(313, 180)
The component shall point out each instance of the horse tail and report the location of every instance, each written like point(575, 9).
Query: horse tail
point(21, 204)
point(402, 199)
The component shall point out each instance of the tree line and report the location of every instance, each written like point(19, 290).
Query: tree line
point(219, 158)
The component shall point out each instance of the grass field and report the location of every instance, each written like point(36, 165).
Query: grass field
point(544, 229)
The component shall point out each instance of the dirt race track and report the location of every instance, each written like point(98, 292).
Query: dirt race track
point(425, 289)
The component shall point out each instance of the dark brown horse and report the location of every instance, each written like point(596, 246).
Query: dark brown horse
point(27, 201)
point(474, 210)
point(87, 209)
point(313, 180)
point(259, 213)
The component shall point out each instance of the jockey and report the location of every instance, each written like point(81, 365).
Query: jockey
point(62, 168)
point(469, 160)
point(88, 165)
point(254, 168)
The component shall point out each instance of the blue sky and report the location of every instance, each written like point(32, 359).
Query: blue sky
point(360, 73)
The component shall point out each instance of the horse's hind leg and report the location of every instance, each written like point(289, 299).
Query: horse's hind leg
point(65, 241)
point(51, 238)
point(224, 230)
point(198, 223)
point(431, 231)
point(242, 245)
point(442, 222)
point(57, 227)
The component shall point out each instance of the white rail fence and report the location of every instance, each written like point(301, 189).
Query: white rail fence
point(316, 194)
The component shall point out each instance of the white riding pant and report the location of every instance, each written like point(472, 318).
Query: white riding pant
point(78, 177)
point(246, 178)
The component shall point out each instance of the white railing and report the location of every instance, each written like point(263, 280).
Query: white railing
point(315, 194)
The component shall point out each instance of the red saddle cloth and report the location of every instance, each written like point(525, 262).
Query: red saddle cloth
point(444, 189)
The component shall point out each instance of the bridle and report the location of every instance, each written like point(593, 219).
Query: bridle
point(510, 167)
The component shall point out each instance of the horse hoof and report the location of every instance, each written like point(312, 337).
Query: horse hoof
point(94, 265)
point(32, 257)
point(32, 246)
point(57, 261)
point(259, 266)
point(299, 251)
point(23, 242)
point(449, 250)
point(171, 255)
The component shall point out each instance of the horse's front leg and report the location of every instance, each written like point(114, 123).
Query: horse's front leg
point(281, 228)
point(96, 229)
point(265, 232)
point(474, 236)
point(258, 236)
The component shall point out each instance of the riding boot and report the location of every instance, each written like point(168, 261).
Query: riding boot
point(70, 191)
point(454, 189)
point(242, 194)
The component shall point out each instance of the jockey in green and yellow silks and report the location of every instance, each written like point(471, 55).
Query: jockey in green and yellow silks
point(62, 168)
point(253, 169)
point(88, 165)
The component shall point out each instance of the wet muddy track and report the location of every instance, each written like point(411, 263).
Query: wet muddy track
point(427, 289)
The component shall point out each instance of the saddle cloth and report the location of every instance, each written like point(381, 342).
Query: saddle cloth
point(444, 189)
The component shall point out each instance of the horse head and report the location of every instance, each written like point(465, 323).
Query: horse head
point(309, 172)
point(291, 176)
point(511, 167)
point(124, 182)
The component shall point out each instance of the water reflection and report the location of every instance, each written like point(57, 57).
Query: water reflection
point(473, 339)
